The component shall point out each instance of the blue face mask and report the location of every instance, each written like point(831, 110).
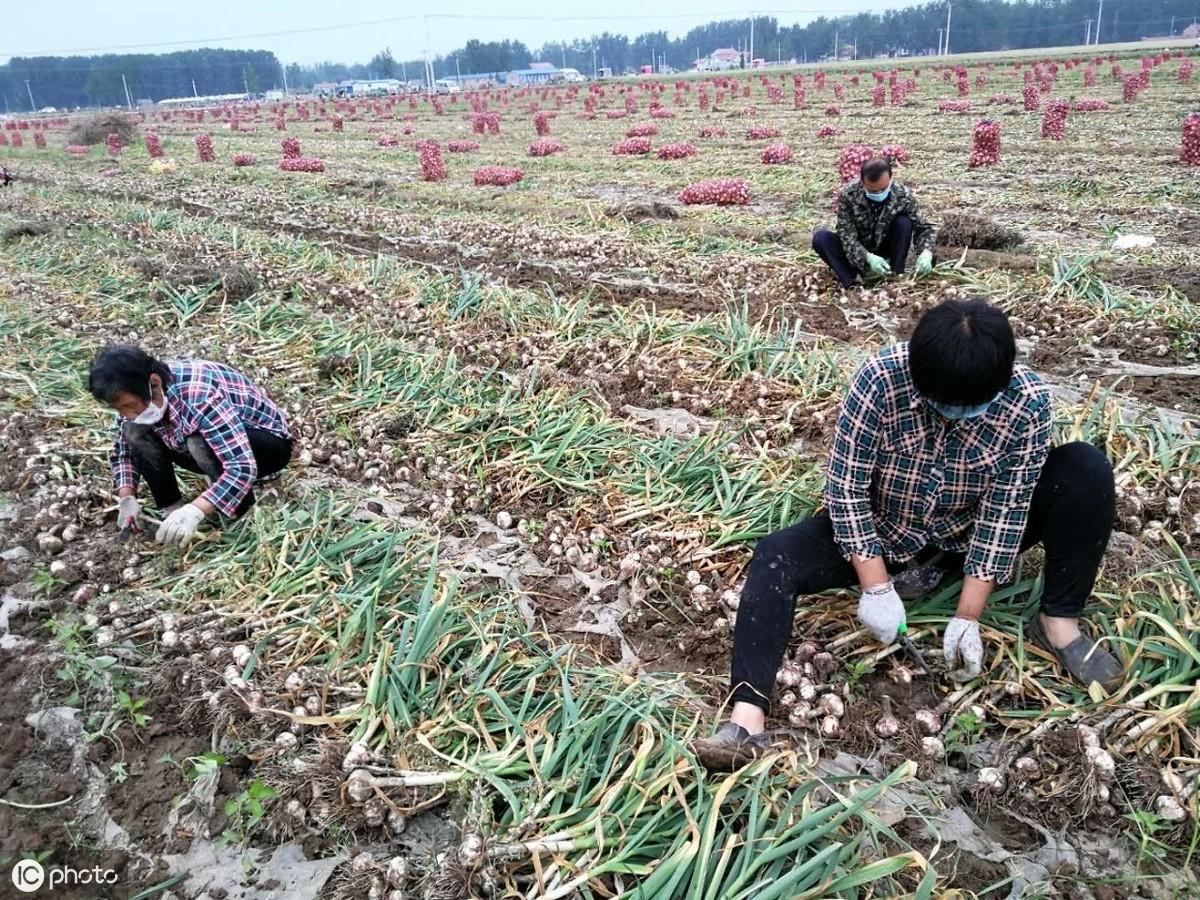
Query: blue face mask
point(950, 411)
point(879, 196)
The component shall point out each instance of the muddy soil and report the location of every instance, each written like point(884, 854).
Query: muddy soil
point(41, 770)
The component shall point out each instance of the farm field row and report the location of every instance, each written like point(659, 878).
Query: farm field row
point(467, 638)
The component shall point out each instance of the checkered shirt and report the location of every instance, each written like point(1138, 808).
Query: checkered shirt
point(901, 477)
point(218, 404)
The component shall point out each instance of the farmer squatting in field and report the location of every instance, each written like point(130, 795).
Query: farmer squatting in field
point(941, 457)
point(203, 416)
point(878, 222)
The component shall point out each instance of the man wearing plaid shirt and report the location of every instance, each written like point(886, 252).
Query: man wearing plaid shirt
point(941, 453)
point(203, 416)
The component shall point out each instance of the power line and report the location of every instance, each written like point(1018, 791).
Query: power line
point(232, 37)
point(154, 64)
point(735, 15)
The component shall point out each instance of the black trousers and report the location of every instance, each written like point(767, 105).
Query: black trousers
point(896, 244)
point(1071, 515)
point(156, 461)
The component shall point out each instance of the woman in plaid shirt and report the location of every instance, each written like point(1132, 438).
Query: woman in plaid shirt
point(203, 416)
point(941, 451)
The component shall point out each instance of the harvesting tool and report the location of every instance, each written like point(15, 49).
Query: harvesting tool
point(910, 648)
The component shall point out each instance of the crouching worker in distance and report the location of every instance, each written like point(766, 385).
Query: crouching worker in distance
point(941, 457)
point(203, 416)
point(878, 221)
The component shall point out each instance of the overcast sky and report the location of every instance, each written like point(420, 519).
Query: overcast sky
point(336, 31)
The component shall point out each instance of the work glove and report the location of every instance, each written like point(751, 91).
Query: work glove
point(963, 643)
point(179, 528)
point(877, 265)
point(924, 262)
point(881, 612)
point(129, 514)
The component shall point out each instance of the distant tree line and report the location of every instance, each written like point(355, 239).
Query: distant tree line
point(67, 82)
point(977, 25)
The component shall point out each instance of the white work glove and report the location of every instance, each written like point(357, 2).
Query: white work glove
point(180, 526)
point(962, 642)
point(129, 508)
point(881, 612)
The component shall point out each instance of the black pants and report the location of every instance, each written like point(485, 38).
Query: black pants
point(895, 247)
point(1071, 515)
point(156, 461)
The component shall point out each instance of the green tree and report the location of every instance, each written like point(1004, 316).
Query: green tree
point(296, 77)
point(104, 87)
point(383, 64)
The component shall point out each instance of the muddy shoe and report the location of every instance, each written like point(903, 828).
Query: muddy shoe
point(730, 747)
point(917, 582)
point(1085, 660)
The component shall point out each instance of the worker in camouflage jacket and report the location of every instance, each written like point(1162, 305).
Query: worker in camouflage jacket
point(878, 222)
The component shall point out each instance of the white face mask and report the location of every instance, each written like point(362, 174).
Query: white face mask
point(152, 414)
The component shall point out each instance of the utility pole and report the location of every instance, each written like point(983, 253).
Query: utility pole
point(836, 48)
point(949, 10)
point(428, 64)
point(125, 84)
point(194, 92)
point(779, 51)
point(593, 62)
point(856, 46)
point(941, 31)
point(1087, 35)
point(751, 40)
point(457, 73)
point(1099, 17)
point(32, 105)
point(246, 83)
point(1172, 31)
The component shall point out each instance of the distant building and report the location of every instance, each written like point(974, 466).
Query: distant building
point(210, 100)
point(720, 60)
point(535, 74)
point(375, 88)
point(1192, 31)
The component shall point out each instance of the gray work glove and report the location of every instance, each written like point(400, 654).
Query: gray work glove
point(881, 612)
point(179, 528)
point(963, 642)
point(129, 514)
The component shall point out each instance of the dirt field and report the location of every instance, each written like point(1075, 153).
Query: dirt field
point(460, 648)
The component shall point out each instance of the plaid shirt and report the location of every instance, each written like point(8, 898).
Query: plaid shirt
point(218, 403)
point(902, 477)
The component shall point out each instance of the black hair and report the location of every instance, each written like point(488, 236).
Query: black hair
point(962, 352)
point(124, 369)
point(874, 169)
